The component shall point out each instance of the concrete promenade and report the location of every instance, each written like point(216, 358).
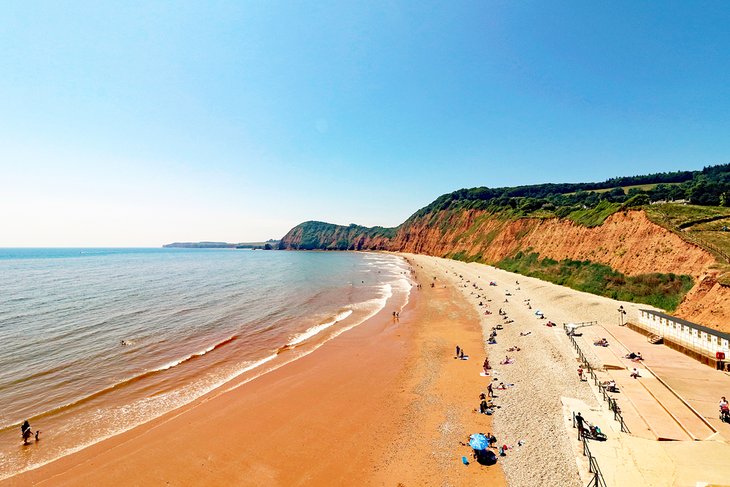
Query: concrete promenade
point(674, 399)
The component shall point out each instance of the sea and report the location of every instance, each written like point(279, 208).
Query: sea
point(94, 342)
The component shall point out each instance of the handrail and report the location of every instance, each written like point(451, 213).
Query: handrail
point(597, 480)
point(612, 405)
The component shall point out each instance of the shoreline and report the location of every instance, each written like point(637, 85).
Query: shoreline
point(85, 465)
point(145, 394)
point(329, 418)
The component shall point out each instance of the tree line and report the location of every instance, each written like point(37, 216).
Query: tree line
point(707, 187)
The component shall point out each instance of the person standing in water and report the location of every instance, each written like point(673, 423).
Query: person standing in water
point(26, 432)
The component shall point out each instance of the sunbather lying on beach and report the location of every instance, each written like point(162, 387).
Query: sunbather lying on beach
point(602, 342)
point(525, 333)
point(514, 349)
point(634, 356)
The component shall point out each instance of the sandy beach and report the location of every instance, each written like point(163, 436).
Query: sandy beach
point(383, 404)
point(544, 369)
point(386, 403)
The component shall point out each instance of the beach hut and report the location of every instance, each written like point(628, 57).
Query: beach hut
point(704, 344)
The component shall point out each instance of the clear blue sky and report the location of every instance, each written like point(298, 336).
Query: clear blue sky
point(146, 122)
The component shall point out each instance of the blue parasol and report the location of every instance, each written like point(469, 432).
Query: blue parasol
point(478, 441)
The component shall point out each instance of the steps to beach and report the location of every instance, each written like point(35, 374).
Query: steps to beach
point(654, 339)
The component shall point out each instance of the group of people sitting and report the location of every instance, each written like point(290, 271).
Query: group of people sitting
point(485, 406)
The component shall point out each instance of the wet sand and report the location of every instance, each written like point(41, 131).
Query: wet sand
point(383, 404)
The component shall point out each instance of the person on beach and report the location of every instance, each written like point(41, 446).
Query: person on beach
point(579, 421)
point(485, 409)
point(635, 373)
point(724, 410)
point(490, 390)
point(26, 432)
point(486, 365)
point(580, 373)
point(458, 349)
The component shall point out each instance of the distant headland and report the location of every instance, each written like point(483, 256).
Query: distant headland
point(267, 245)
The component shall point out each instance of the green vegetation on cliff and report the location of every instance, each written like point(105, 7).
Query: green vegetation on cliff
point(661, 290)
point(586, 204)
point(708, 187)
point(314, 235)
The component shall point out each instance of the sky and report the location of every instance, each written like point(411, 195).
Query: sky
point(142, 123)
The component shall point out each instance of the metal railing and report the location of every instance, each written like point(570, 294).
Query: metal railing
point(612, 405)
point(597, 480)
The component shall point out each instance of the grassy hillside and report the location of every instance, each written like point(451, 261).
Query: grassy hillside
point(661, 290)
point(707, 226)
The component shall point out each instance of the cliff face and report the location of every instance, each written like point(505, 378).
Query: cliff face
point(627, 242)
point(314, 235)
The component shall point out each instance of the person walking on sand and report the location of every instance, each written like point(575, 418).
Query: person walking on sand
point(580, 373)
point(458, 350)
point(490, 390)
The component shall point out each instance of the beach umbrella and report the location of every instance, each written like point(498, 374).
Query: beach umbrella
point(478, 441)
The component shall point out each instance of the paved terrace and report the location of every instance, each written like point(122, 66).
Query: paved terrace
point(674, 399)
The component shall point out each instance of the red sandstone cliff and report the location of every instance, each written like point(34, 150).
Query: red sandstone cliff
point(626, 241)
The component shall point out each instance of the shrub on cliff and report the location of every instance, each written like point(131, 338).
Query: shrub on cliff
point(661, 290)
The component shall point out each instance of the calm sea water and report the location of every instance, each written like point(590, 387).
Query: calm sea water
point(96, 341)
